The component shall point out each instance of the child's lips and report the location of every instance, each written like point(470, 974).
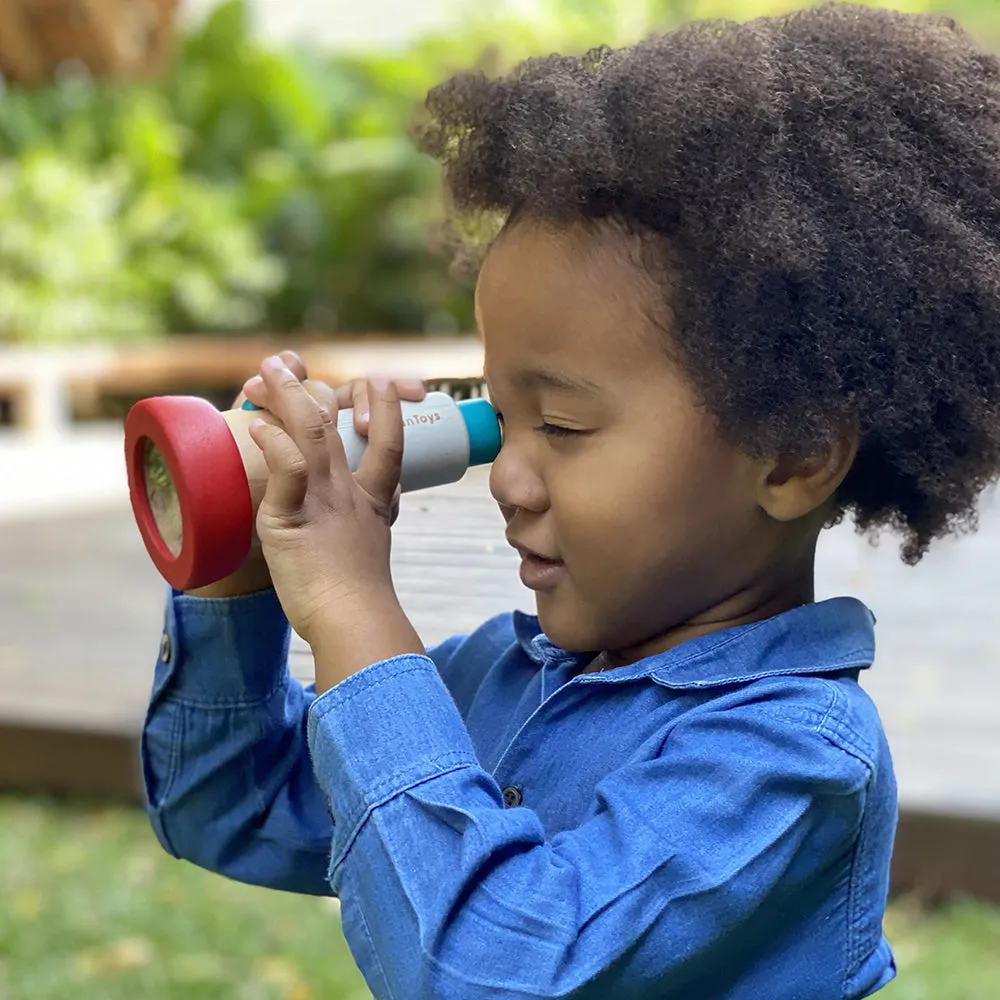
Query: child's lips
point(538, 572)
point(541, 574)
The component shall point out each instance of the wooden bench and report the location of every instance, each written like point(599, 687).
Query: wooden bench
point(42, 390)
point(36, 384)
point(216, 368)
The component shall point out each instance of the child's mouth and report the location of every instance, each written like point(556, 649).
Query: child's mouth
point(538, 573)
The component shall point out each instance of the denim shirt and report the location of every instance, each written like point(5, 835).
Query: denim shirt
point(710, 823)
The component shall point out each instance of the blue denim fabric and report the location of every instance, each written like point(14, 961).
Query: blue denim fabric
point(710, 823)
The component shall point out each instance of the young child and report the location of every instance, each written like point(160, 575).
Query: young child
point(747, 282)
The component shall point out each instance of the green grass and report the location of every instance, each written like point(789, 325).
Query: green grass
point(950, 954)
point(92, 909)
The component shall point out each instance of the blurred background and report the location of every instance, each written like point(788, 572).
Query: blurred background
point(186, 185)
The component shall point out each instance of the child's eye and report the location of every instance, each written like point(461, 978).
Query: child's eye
point(556, 430)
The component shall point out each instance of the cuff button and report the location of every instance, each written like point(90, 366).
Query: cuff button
point(512, 797)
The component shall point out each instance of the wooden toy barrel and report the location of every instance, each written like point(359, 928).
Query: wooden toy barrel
point(119, 39)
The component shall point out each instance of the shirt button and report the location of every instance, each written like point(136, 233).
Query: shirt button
point(165, 648)
point(512, 797)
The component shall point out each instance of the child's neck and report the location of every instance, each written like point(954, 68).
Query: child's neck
point(751, 604)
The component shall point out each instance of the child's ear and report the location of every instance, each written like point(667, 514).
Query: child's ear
point(793, 486)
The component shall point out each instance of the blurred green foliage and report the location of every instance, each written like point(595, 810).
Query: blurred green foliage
point(83, 248)
point(261, 187)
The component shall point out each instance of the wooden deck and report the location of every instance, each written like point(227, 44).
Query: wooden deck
point(81, 611)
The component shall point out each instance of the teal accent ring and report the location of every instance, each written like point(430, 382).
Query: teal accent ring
point(483, 428)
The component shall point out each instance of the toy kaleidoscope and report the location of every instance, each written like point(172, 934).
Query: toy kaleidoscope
point(196, 478)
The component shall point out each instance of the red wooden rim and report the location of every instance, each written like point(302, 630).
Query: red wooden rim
point(212, 489)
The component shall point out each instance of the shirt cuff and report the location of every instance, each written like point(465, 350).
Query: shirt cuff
point(225, 651)
point(379, 732)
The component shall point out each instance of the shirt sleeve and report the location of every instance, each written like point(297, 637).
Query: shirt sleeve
point(446, 894)
point(228, 779)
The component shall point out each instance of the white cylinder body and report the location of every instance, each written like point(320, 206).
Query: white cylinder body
point(435, 442)
point(436, 447)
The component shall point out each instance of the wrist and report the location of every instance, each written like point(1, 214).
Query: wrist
point(251, 578)
point(374, 629)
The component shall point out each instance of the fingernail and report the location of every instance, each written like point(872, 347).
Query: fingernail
point(379, 383)
point(362, 415)
point(256, 380)
point(274, 364)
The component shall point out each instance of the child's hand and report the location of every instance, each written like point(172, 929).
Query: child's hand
point(325, 531)
point(254, 575)
point(351, 395)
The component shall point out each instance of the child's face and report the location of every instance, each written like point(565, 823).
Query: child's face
point(646, 520)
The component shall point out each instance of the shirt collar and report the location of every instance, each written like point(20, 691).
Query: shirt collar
point(823, 637)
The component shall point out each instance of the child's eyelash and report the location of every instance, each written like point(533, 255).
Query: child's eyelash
point(552, 430)
point(555, 430)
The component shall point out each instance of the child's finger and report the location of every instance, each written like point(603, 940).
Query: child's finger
point(380, 467)
point(394, 509)
point(289, 472)
point(412, 390)
point(324, 394)
point(255, 390)
point(294, 364)
point(354, 395)
point(311, 426)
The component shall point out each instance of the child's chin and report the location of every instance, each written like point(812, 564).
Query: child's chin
point(564, 628)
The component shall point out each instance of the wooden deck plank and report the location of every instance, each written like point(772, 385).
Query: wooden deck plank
point(81, 606)
point(79, 627)
point(81, 611)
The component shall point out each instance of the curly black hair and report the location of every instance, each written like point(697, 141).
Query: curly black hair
point(818, 196)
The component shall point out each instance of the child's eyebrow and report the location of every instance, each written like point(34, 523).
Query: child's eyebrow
point(546, 378)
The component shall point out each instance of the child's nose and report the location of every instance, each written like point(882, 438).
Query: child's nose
point(516, 485)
